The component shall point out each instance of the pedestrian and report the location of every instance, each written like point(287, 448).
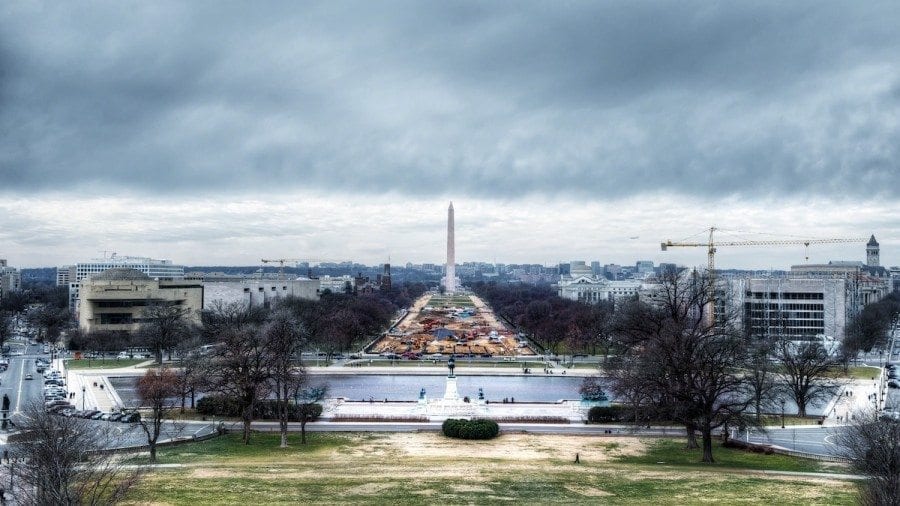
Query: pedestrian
point(577, 460)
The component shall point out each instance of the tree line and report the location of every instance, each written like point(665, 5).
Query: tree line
point(556, 324)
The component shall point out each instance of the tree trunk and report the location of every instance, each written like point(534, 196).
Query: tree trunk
point(303, 430)
point(282, 414)
point(248, 419)
point(707, 445)
point(801, 406)
point(691, 436)
point(192, 397)
point(152, 452)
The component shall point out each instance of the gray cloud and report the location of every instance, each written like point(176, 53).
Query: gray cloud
point(484, 99)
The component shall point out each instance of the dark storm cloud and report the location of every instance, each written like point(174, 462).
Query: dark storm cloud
point(478, 98)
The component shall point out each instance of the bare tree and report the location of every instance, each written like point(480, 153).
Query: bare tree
point(286, 337)
point(308, 407)
point(806, 372)
point(104, 341)
point(762, 378)
point(241, 369)
point(873, 447)
point(62, 462)
point(190, 370)
point(164, 326)
point(691, 360)
point(49, 320)
point(631, 383)
point(157, 390)
point(223, 317)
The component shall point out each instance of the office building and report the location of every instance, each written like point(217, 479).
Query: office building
point(154, 269)
point(10, 279)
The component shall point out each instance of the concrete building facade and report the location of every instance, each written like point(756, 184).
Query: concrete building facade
point(798, 309)
point(10, 279)
point(115, 299)
point(153, 268)
point(253, 293)
point(814, 299)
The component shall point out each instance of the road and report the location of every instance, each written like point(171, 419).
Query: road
point(817, 440)
point(13, 383)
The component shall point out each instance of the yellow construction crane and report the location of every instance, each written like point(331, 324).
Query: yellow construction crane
point(711, 247)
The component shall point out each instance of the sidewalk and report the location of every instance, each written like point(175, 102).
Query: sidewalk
point(92, 389)
point(427, 368)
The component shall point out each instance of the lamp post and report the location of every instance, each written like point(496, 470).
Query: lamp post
point(782, 413)
point(83, 390)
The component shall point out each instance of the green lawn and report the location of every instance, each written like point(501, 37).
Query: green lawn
point(96, 363)
point(513, 469)
point(858, 372)
point(670, 452)
point(458, 301)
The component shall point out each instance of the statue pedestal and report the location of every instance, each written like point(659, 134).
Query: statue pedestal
point(451, 393)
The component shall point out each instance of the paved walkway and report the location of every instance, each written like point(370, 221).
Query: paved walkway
point(91, 387)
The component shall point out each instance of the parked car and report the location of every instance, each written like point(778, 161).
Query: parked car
point(133, 417)
point(893, 384)
point(29, 376)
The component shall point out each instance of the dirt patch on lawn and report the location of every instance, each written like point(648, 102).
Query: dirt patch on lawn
point(523, 447)
point(207, 472)
point(588, 491)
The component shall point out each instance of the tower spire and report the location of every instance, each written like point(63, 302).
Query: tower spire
point(450, 270)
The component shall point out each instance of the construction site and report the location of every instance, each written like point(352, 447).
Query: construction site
point(443, 325)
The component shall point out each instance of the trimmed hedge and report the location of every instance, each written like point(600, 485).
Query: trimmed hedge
point(604, 414)
point(477, 428)
point(267, 409)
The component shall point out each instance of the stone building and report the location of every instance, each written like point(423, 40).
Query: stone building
point(116, 299)
point(258, 292)
point(10, 279)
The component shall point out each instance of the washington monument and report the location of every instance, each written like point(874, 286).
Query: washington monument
point(450, 280)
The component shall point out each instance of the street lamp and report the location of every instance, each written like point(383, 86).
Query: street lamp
point(782, 413)
point(83, 390)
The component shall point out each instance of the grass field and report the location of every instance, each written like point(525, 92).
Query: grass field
point(858, 372)
point(99, 363)
point(427, 468)
point(457, 301)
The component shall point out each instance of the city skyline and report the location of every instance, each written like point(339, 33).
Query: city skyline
point(219, 135)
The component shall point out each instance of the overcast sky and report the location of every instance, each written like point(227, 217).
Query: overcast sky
point(224, 132)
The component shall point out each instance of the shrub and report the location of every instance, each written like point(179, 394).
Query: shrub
point(478, 428)
point(267, 409)
point(604, 414)
point(218, 405)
